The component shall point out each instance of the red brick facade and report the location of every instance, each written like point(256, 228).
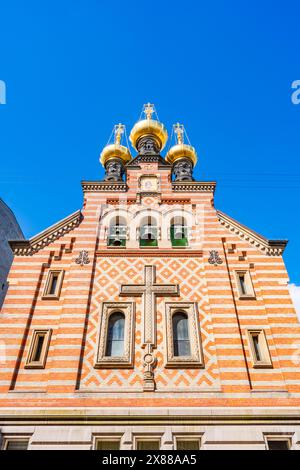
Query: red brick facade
point(224, 318)
point(228, 377)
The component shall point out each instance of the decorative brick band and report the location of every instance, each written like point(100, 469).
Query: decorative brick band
point(101, 186)
point(194, 186)
point(116, 202)
point(152, 253)
point(175, 201)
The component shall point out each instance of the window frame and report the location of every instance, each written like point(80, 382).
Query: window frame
point(196, 359)
point(184, 316)
point(14, 438)
point(173, 239)
point(154, 242)
point(186, 438)
point(250, 294)
point(266, 362)
point(118, 222)
point(109, 438)
point(41, 363)
point(147, 438)
point(287, 437)
point(109, 341)
point(125, 361)
point(56, 295)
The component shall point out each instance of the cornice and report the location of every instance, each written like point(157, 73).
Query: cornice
point(269, 247)
point(134, 164)
point(194, 186)
point(154, 252)
point(103, 186)
point(141, 415)
point(39, 241)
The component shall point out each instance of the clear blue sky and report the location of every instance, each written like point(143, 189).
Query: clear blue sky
point(74, 68)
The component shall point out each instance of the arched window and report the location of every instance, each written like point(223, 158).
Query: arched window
point(178, 232)
point(148, 232)
point(117, 232)
point(181, 339)
point(115, 335)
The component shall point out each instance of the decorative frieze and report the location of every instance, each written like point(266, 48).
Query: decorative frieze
point(103, 186)
point(194, 186)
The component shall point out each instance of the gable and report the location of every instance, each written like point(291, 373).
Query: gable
point(269, 247)
point(47, 236)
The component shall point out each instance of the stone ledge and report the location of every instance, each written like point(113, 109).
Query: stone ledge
point(192, 415)
point(194, 186)
point(103, 186)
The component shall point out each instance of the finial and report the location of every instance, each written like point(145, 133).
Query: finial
point(118, 131)
point(179, 131)
point(149, 110)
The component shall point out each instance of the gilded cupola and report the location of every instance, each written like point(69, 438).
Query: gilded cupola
point(114, 156)
point(181, 156)
point(148, 129)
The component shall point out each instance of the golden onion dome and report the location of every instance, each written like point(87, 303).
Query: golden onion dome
point(149, 127)
point(181, 151)
point(116, 150)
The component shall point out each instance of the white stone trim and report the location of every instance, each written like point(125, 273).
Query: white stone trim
point(107, 309)
point(196, 357)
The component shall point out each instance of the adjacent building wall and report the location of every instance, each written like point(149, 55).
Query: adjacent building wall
point(9, 230)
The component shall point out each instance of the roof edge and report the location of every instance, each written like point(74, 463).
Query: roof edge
point(50, 234)
point(269, 246)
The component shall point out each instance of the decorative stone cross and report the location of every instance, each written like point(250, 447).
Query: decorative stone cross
point(149, 291)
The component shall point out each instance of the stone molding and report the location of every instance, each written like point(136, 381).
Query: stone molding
point(171, 415)
point(196, 357)
point(194, 186)
point(103, 186)
point(108, 308)
point(39, 241)
point(269, 247)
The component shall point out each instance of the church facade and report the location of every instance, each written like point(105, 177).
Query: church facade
point(149, 319)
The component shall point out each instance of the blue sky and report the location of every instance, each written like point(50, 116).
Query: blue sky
point(74, 68)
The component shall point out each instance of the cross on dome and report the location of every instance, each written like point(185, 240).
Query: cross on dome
point(179, 131)
point(118, 131)
point(149, 109)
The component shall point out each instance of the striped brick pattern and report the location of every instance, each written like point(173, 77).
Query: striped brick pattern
point(228, 379)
